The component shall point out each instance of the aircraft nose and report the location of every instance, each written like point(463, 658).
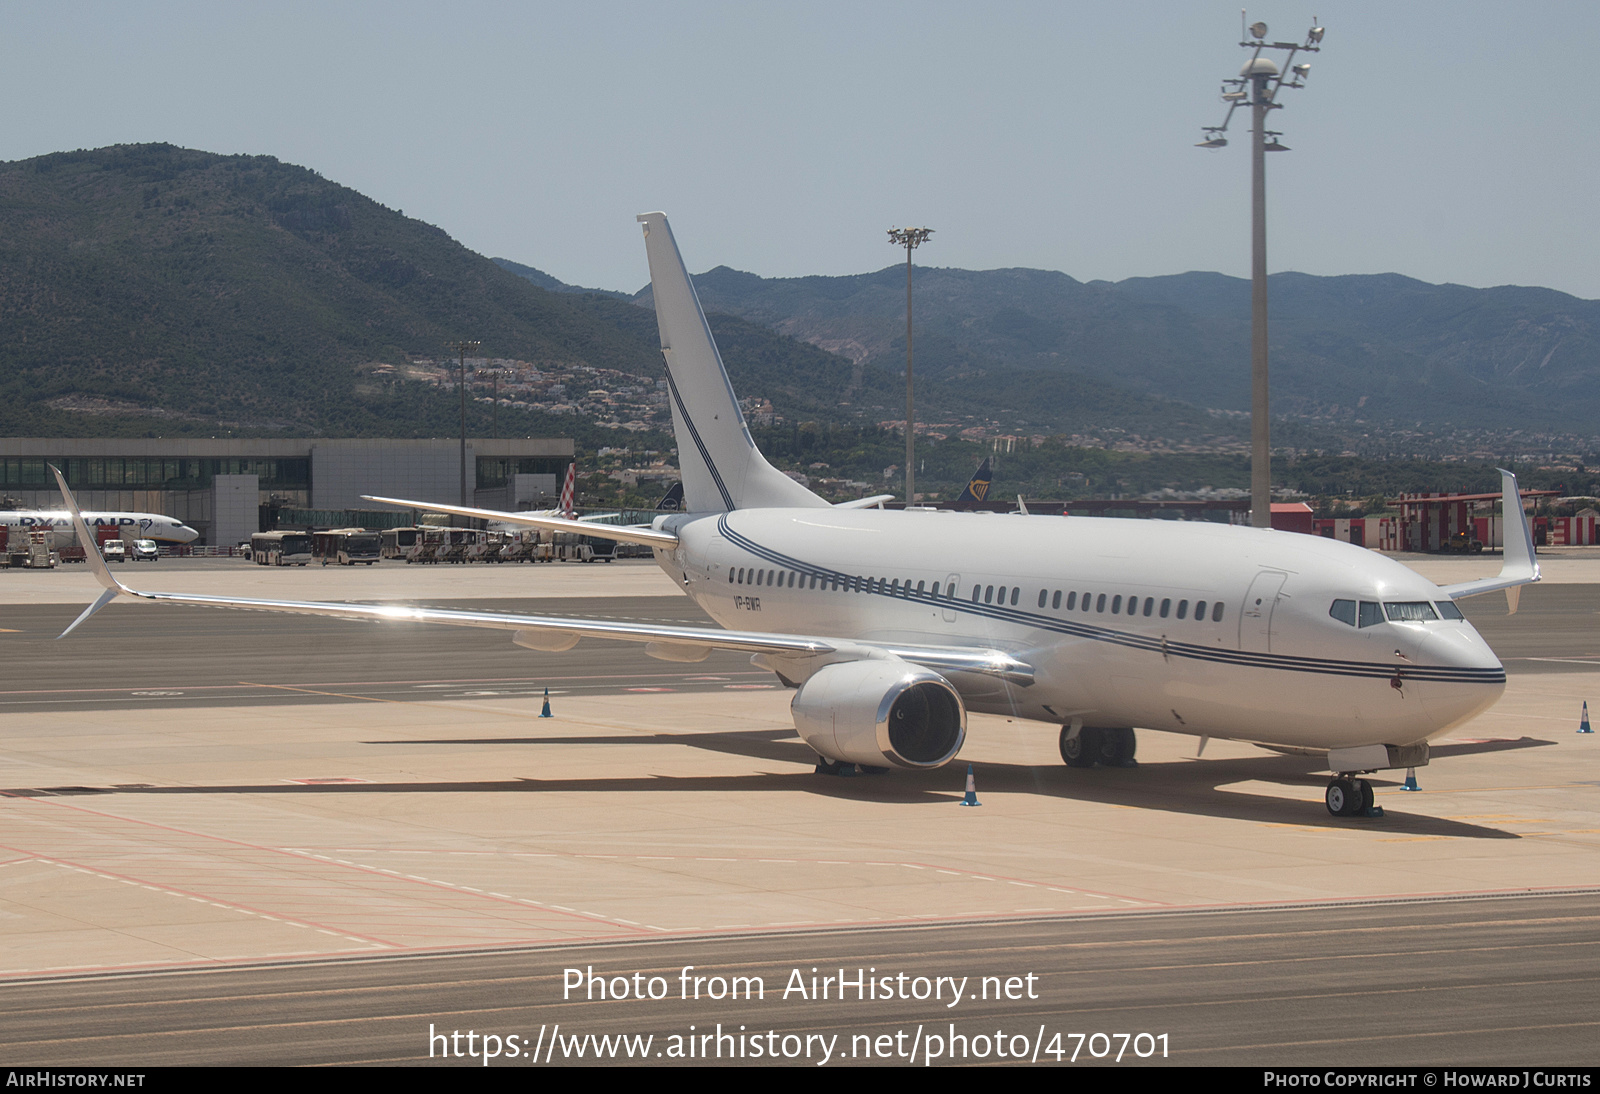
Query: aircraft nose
point(1477, 683)
point(1460, 647)
point(187, 534)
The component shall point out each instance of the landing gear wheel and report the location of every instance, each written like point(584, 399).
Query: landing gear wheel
point(1367, 798)
point(1082, 750)
point(1117, 747)
point(1344, 797)
point(825, 766)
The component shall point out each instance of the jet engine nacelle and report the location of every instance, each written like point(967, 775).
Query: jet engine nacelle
point(880, 713)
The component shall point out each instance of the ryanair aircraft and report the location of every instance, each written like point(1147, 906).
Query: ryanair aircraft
point(892, 625)
point(162, 529)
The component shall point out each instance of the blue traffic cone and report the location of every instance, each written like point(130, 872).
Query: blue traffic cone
point(1583, 725)
point(545, 713)
point(972, 790)
point(1411, 780)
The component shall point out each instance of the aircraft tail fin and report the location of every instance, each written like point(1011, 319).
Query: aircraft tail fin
point(722, 467)
point(567, 492)
point(978, 488)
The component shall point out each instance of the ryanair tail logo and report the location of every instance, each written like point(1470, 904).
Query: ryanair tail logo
point(977, 489)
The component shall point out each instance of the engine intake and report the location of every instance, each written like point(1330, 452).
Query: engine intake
point(881, 713)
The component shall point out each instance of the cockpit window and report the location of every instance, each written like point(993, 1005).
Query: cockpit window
point(1410, 611)
point(1369, 614)
point(1448, 610)
point(1344, 611)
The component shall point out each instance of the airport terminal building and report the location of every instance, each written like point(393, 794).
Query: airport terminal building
point(219, 487)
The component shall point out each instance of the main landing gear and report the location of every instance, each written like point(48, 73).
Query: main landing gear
point(1089, 746)
point(1348, 797)
point(846, 770)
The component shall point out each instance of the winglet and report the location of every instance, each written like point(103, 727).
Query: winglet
point(1518, 552)
point(1520, 566)
point(91, 553)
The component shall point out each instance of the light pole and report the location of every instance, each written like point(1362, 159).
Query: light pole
point(909, 238)
point(461, 348)
point(1257, 84)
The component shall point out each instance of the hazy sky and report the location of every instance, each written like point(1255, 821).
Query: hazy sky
point(1451, 142)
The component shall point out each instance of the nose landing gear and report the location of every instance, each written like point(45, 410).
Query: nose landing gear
point(1348, 797)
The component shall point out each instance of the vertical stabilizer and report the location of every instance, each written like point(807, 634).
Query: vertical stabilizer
point(722, 468)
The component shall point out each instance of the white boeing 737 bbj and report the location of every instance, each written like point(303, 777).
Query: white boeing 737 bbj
point(892, 625)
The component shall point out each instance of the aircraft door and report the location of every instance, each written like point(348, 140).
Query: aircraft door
point(1255, 618)
point(952, 585)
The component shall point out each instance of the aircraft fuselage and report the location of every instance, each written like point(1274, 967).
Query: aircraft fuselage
point(1195, 628)
point(156, 526)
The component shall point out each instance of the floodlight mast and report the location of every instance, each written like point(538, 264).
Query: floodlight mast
point(463, 348)
point(909, 238)
point(1258, 84)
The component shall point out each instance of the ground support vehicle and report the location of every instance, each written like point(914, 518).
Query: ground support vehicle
point(281, 548)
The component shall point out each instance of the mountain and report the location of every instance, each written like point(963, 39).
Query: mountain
point(551, 284)
point(155, 289)
point(190, 289)
point(1347, 352)
point(149, 288)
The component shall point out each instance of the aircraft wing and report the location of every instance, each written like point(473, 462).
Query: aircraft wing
point(554, 633)
point(1519, 567)
point(864, 503)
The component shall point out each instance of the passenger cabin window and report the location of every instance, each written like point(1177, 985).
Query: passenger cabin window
point(1199, 611)
point(1099, 604)
point(1166, 606)
point(1216, 612)
point(1183, 609)
point(1015, 591)
point(1116, 605)
point(1055, 601)
point(1041, 597)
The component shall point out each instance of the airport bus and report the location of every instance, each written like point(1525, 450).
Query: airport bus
point(572, 547)
point(400, 542)
point(347, 546)
point(281, 548)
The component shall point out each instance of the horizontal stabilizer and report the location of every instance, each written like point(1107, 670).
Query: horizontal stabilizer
point(622, 533)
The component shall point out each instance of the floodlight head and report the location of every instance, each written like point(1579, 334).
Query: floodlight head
point(1301, 70)
point(909, 237)
point(1315, 35)
point(1234, 96)
point(1214, 142)
point(1258, 30)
